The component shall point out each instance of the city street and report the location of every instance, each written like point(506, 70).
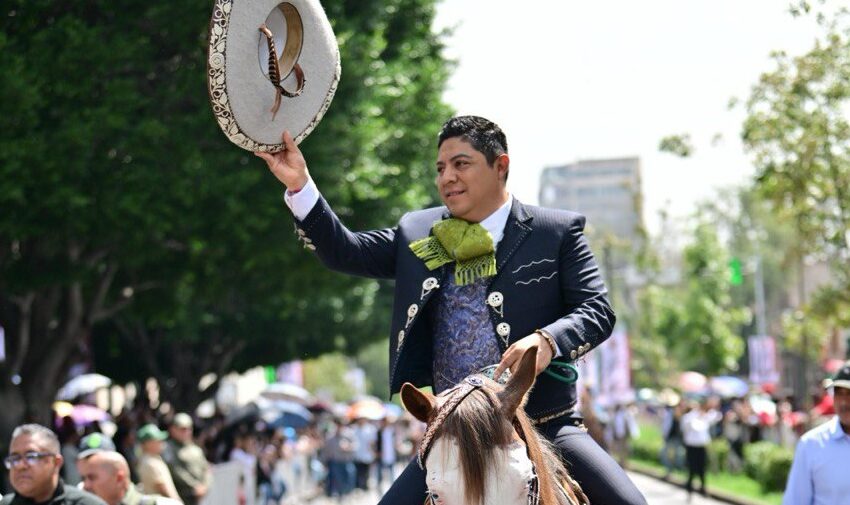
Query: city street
point(657, 492)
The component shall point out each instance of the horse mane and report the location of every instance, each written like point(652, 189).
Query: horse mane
point(479, 426)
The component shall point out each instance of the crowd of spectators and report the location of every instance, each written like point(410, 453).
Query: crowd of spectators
point(171, 456)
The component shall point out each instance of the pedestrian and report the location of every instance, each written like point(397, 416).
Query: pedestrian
point(671, 431)
point(366, 436)
point(477, 282)
point(69, 436)
point(34, 463)
point(819, 473)
point(696, 435)
point(186, 461)
point(388, 451)
point(154, 475)
point(107, 475)
point(623, 428)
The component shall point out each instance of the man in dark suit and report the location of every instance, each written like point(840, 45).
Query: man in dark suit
point(478, 282)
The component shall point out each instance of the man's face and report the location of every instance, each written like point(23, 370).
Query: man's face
point(101, 480)
point(842, 406)
point(152, 446)
point(182, 434)
point(36, 480)
point(470, 187)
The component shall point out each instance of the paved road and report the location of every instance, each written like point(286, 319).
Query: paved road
point(657, 492)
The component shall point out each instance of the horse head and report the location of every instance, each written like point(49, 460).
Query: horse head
point(481, 448)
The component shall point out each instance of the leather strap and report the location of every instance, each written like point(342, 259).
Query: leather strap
point(274, 72)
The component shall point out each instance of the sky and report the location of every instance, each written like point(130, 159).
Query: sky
point(569, 80)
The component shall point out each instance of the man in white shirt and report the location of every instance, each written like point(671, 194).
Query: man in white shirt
point(820, 473)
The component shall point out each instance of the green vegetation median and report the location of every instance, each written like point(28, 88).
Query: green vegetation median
point(765, 468)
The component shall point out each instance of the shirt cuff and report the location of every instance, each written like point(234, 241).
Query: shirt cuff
point(302, 202)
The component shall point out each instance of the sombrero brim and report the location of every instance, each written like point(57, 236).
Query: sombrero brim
point(243, 96)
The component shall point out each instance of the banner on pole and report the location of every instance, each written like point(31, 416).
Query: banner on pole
point(764, 367)
point(607, 372)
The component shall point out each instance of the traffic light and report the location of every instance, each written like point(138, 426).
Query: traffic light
point(736, 277)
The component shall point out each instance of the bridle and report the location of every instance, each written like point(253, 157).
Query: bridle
point(455, 396)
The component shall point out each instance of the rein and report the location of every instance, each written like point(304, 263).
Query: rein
point(457, 395)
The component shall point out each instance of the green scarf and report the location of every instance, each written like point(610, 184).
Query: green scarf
point(469, 245)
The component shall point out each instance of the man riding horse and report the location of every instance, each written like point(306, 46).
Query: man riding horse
point(478, 281)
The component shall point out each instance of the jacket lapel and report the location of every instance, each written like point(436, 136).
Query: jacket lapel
point(517, 229)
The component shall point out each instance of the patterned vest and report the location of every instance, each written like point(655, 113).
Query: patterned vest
point(463, 336)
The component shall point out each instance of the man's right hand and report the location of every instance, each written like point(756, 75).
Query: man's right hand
point(288, 165)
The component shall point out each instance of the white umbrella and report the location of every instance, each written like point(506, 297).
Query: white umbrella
point(284, 391)
point(83, 385)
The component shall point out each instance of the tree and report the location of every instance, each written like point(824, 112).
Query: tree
point(798, 133)
point(129, 218)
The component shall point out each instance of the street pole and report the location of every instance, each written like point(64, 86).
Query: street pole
point(761, 318)
point(804, 340)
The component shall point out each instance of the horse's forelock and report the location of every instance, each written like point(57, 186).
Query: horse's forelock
point(479, 427)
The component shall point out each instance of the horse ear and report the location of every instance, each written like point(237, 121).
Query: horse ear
point(521, 381)
point(418, 403)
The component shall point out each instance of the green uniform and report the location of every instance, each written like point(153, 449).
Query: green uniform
point(189, 468)
point(134, 497)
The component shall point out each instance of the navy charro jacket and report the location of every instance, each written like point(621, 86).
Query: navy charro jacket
point(547, 279)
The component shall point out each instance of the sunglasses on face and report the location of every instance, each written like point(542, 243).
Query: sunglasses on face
point(32, 457)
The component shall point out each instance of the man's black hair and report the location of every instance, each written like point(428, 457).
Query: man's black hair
point(484, 135)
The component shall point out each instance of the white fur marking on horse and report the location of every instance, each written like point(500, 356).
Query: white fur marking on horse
point(507, 479)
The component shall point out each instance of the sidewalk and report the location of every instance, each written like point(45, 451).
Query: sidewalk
point(722, 496)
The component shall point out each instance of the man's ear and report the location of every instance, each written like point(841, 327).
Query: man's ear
point(502, 164)
point(418, 403)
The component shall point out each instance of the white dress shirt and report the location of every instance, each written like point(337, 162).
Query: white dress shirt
point(819, 474)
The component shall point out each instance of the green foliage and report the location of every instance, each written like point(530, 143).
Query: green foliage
point(115, 178)
point(768, 464)
point(797, 131)
point(373, 360)
point(679, 145)
point(718, 455)
point(326, 375)
point(647, 445)
point(697, 312)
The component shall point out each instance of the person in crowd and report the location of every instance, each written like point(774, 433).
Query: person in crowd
point(671, 431)
point(244, 452)
point(154, 476)
point(366, 435)
point(387, 451)
point(819, 473)
point(34, 462)
point(696, 435)
point(269, 485)
point(734, 431)
point(69, 436)
point(623, 427)
point(338, 452)
point(477, 282)
point(94, 442)
point(186, 461)
point(107, 475)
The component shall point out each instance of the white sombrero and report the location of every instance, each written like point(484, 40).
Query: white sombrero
point(256, 97)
